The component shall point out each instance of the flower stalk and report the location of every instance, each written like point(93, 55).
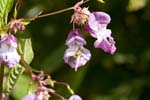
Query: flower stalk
point(1, 79)
point(49, 14)
point(56, 12)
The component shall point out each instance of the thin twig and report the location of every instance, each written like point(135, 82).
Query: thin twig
point(56, 12)
point(65, 84)
point(27, 66)
point(49, 14)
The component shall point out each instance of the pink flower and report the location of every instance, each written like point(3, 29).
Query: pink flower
point(76, 55)
point(97, 27)
point(4, 96)
point(8, 52)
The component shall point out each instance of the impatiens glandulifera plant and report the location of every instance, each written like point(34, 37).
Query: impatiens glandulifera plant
point(16, 52)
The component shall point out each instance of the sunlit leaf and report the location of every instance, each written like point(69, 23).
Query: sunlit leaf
point(14, 75)
point(5, 7)
point(25, 48)
point(135, 5)
point(21, 87)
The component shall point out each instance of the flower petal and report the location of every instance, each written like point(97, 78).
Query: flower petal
point(75, 37)
point(77, 57)
point(98, 20)
point(108, 45)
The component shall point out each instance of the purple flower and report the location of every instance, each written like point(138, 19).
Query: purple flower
point(75, 97)
point(17, 25)
point(77, 56)
point(105, 41)
point(4, 96)
point(98, 20)
point(97, 27)
point(75, 38)
point(8, 52)
point(30, 96)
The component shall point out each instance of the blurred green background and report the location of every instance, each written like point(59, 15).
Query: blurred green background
point(122, 76)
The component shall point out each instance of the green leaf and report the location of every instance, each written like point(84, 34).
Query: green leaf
point(15, 13)
point(134, 5)
point(14, 75)
point(102, 1)
point(22, 86)
point(5, 7)
point(25, 49)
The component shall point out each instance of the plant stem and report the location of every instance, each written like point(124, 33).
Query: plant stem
point(1, 79)
point(27, 66)
point(53, 13)
point(65, 84)
point(56, 12)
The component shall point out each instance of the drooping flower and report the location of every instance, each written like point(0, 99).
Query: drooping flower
point(75, 38)
point(17, 25)
point(77, 56)
point(97, 27)
point(75, 97)
point(8, 52)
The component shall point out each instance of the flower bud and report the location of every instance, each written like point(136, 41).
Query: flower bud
point(17, 25)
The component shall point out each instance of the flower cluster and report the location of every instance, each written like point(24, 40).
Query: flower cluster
point(94, 23)
point(45, 89)
point(41, 92)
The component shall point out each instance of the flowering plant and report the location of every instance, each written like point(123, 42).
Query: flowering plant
point(16, 52)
